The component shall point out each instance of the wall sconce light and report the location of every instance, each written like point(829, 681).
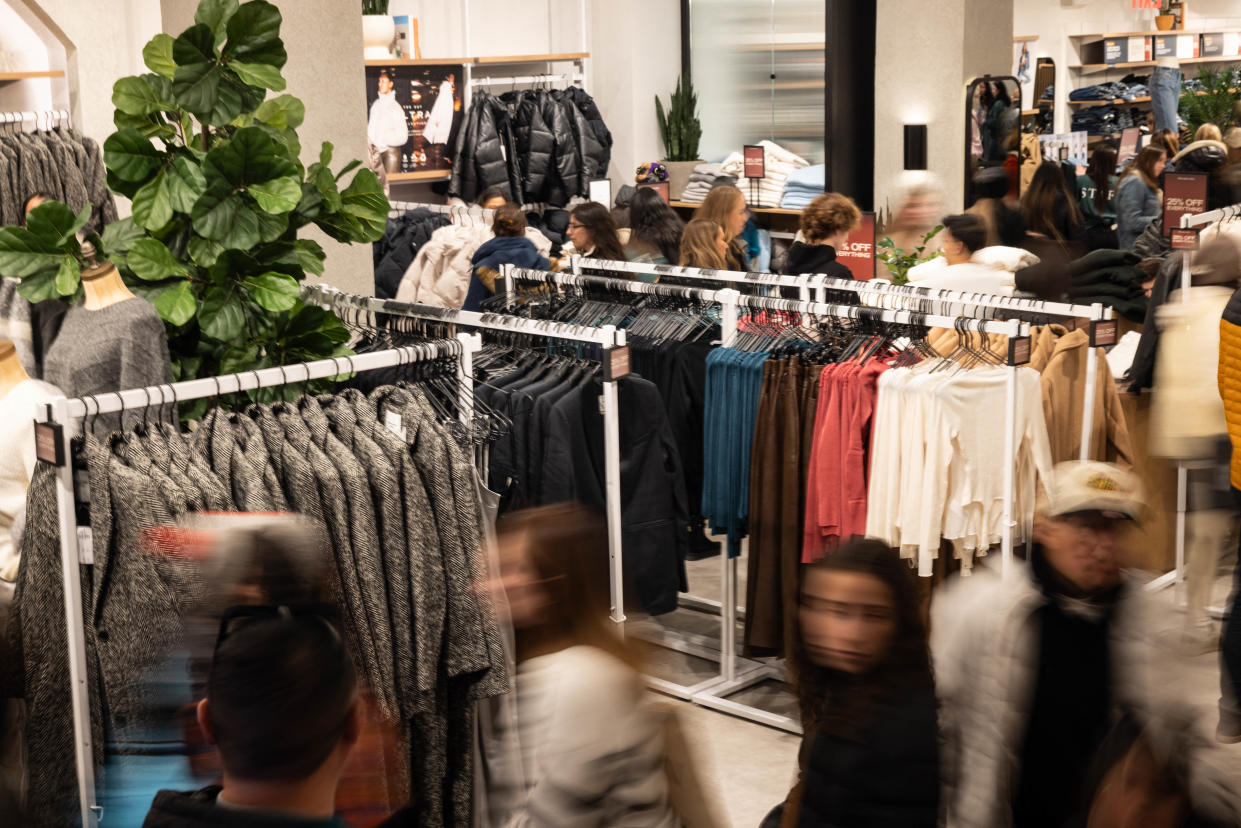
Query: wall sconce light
point(915, 146)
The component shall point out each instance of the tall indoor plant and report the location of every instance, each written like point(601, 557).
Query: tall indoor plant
point(219, 196)
point(1214, 104)
point(680, 130)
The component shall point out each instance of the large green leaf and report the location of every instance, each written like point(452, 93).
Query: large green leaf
point(258, 74)
point(55, 224)
point(202, 84)
point(296, 258)
point(157, 55)
point(221, 315)
point(225, 217)
point(68, 276)
point(239, 358)
point(204, 252)
point(254, 35)
point(274, 291)
point(140, 96)
point(130, 155)
point(365, 201)
point(23, 254)
point(282, 112)
point(119, 237)
point(177, 304)
point(40, 286)
point(151, 126)
point(272, 225)
point(216, 14)
point(152, 204)
point(280, 195)
point(151, 261)
point(325, 183)
point(250, 157)
point(185, 183)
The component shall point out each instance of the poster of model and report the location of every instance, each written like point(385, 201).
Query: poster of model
point(413, 115)
point(1066, 146)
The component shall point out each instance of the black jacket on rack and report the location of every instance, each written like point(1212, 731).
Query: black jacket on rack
point(401, 241)
point(589, 151)
point(586, 105)
point(484, 146)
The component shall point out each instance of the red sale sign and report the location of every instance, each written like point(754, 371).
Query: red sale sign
point(858, 252)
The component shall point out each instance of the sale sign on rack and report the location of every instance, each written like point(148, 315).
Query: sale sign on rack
point(1183, 194)
point(858, 252)
point(755, 161)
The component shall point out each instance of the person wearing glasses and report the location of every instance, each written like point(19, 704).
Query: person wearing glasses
point(593, 233)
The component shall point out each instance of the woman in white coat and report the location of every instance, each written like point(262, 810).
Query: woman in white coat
point(439, 123)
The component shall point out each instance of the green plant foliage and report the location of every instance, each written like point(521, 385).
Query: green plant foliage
point(1216, 102)
point(899, 261)
point(219, 195)
point(374, 6)
point(679, 126)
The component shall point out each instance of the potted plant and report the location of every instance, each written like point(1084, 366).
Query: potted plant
point(680, 130)
point(1214, 104)
point(1165, 20)
point(378, 30)
point(220, 199)
point(898, 261)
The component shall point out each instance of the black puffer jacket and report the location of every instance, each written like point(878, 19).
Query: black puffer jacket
point(564, 172)
point(589, 150)
point(483, 147)
point(586, 105)
point(401, 241)
point(534, 140)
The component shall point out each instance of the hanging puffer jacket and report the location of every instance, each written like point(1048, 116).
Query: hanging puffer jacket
point(482, 151)
point(587, 147)
point(586, 105)
point(564, 174)
point(535, 143)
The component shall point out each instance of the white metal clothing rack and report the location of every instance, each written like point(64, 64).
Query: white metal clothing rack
point(513, 80)
point(68, 412)
point(41, 119)
point(735, 675)
point(473, 211)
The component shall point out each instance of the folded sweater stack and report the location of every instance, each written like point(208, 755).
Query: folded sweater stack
point(778, 164)
point(702, 179)
point(803, 186)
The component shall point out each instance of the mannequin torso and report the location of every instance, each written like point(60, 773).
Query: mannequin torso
point(103, 287)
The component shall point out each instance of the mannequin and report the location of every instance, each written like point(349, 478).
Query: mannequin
point(102, 282)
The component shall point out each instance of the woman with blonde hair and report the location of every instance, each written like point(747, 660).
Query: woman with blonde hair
point(1139, 200)
point(703, 245)
point(725, 205)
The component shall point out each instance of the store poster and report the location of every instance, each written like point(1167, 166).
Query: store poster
point(1074, 144)
point(1023, 71)
point(1183, 194)
point(1128, 144)
point(858, 251)
point(414, 113)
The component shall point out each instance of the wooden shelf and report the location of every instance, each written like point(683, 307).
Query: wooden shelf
point(5, 77)
point(425, 175)
point(774, 211)
point(1111, 67)
point(1026, 112)
point(1116, 102)
point(1025, 39)
point(479, 61)
point(1105, 36)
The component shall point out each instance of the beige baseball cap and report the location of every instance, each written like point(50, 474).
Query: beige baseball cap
point(1091, 486)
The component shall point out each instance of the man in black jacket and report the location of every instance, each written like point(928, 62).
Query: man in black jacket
point(282, 707)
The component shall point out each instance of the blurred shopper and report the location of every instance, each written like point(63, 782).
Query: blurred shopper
point(508, 246)
point(959, 267)
point(1097, 198)
point(593, 233)
point(1166, 140)
point(703, 245)
point(1049, 209)
point(1229, 379)
point(914, 218)
point(862, 673)
point(654, 229)
point(1031, 669)
point(592, 750)
point(1004, 223)
point(725, 205)
point(1139, 200)
point(1208, 132)
point(491, 198)
point(825, 226)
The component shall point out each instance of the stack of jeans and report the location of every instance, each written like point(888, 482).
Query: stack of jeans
point(1114, 91)
point(1105, 120)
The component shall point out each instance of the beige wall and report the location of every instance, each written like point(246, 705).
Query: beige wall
point(924, 55)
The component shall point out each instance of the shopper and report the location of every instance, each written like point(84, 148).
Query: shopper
point(725, 205)
point(915, 216)
point(593, 751)
point(703, 245)
point(957, 269)
point(1208, 132)
point(1004, 223)
point(1230, 639)
point(825, 227)
point(1049, 210)
point(862, 674)
point(1166, 140)
point(593, 233)
point(509, 246)
point(654, 229)
point(1139, 200)
point(282, 707)
point(1032, 667)
point(491, 198)
point(1097, 198)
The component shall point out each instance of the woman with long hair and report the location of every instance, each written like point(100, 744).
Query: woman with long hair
point(1168, 141)
point(703, 245)
point(862, 672)
point(1139, 199)
point(593, 233)
point(1097, 198)
point(593, 752)
point(654, 229)
point(725, 205)
point(1048, 208)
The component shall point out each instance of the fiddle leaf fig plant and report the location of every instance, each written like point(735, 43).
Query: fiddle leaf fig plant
point(211, 165)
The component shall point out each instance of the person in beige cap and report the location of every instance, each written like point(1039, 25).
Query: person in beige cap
point(1032, 668)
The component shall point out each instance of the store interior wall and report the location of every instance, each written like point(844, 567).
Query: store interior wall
point(1052, 21)
point(961, 39)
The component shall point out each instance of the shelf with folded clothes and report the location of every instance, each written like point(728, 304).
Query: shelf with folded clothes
point(1090, 38)
point(1088, 68)
point(1123, 101)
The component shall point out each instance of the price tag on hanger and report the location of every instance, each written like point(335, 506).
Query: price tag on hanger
point(86, 546)
point(49, 443)
point(1103, 333)
point(615, 363)
point(1184, 238)
point(1019, 350)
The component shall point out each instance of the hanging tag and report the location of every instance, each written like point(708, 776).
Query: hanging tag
point(395, 424)
point(1184, 238)
point(1103, 333)
point(86, 546)
point(1018, 350)
point(615, 363)
point(49, 443)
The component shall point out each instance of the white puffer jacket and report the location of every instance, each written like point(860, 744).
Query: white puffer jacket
point(440, 272)
point(984, 639)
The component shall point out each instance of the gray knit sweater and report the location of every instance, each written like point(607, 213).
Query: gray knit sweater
point(116, 348)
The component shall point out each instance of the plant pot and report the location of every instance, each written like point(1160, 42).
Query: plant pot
point(378, 32)
point(678, 177)
point(1165, 22)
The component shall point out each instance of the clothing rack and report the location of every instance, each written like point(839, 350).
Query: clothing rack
point(64, 414)
point(607, 337)
point(497, 80)
point(42, 118)
point(396, 208)
point(943, 301)
point(735, 676)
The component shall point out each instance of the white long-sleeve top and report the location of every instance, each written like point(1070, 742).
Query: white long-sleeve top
point(387, 126)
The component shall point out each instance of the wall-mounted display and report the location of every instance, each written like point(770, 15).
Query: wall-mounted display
point(414, 113)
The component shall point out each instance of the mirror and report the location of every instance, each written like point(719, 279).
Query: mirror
point(992, 131)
